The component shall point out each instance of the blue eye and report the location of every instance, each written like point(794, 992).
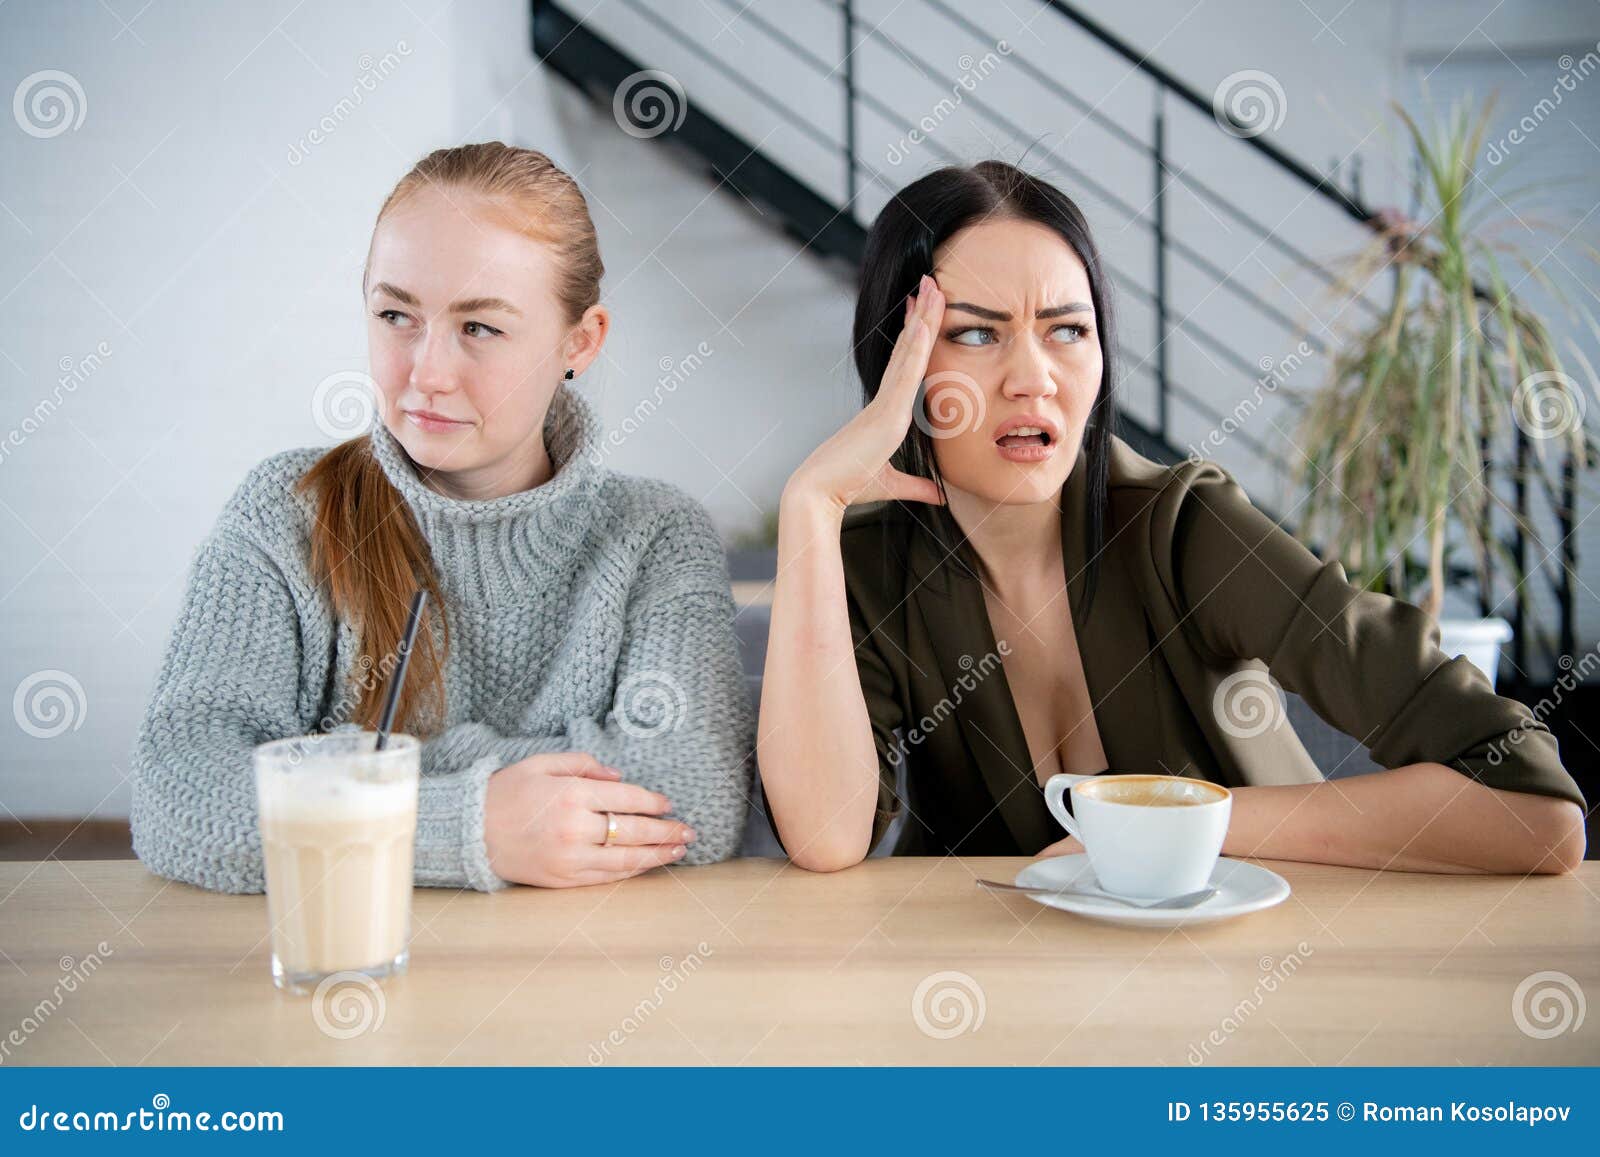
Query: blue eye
point(1077, 330)
point(961, 336)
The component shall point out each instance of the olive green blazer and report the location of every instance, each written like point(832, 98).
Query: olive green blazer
point(1200, 599)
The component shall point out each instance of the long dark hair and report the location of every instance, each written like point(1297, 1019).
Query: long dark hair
point(900, 248)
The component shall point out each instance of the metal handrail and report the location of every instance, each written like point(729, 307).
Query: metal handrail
point(835, 229)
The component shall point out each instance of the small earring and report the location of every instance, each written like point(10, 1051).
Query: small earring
point(567, 377)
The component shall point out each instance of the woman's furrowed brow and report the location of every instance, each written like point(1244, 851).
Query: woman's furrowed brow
point(977, 311)
point(1063, 310)
point(1001, 315)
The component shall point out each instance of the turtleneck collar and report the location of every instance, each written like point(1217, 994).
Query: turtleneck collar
point(491, 551)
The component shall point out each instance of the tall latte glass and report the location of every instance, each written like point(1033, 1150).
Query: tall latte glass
point(338, 825)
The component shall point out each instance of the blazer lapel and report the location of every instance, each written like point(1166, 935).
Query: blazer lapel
point(972, 679)
point(1115, 638)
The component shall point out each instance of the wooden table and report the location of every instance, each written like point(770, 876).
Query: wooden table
point(756, 962)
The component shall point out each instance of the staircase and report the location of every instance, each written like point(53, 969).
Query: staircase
point(817, 111)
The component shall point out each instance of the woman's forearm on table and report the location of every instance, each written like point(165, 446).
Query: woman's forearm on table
point(1424, 817)
point(814, 741)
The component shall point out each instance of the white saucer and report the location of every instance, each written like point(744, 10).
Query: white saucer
point(1241, 887)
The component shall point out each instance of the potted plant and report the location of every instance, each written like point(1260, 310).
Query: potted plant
point(1420, 397)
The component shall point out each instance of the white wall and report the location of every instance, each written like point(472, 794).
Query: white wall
point(223, 281)
point(697, 274)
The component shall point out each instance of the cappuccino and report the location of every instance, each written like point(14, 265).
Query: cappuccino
point(1153, 791)
point(1146, 836)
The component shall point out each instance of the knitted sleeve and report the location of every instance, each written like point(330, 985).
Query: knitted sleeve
point(681, 721)
point(231, 679)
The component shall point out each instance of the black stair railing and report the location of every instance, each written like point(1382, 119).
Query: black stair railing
point(829, 229)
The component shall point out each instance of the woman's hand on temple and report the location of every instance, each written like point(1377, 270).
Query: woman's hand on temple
point(853, 466)
point(545, 823)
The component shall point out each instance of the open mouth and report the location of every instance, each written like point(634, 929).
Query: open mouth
point(1023, 436)
point(1027, 442)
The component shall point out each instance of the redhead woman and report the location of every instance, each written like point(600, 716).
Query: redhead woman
point(979, 581)
point(576, 680)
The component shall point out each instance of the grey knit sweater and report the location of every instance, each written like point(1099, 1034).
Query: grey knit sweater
point(591, 614)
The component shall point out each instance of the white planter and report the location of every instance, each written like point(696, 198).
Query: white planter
point(1479, 640)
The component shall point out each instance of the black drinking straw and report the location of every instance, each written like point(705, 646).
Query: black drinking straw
point(413, 618)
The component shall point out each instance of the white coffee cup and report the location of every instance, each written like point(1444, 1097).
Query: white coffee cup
point(1147, 836)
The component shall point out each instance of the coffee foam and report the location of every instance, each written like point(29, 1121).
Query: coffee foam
point(1154, 791)
point(313, 794)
